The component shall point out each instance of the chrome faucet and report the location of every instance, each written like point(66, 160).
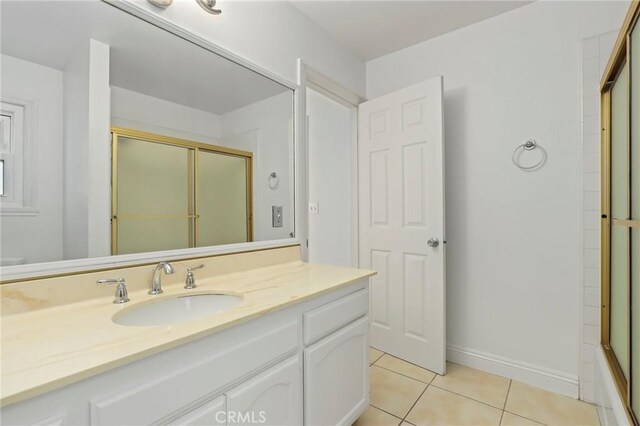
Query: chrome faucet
point(156, 285)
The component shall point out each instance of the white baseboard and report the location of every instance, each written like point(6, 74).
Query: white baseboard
point(545, 378)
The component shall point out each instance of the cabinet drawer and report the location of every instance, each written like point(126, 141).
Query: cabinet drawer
point(328, 318)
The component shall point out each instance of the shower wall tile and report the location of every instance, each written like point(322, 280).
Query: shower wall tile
point(595, 53)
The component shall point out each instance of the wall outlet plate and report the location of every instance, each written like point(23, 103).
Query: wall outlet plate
point(276, 216)
point(313, 208)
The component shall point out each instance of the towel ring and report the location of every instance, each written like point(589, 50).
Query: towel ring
point(529, 145)
point(273, 181)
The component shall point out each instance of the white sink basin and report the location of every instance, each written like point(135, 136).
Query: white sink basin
point(176, 309)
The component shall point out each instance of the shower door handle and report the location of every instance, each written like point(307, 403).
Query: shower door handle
point(433, 242)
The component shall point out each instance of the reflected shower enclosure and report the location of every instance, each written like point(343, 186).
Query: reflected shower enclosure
point(170, 193)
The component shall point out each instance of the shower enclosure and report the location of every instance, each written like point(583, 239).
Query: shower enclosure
point(170, 193)
point(620, 223)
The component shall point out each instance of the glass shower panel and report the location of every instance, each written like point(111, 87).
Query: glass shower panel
point(635, 320)
point(635, 123)
point(619, 284)
point(620, 146)
point(635, 214)
point(154, 196)
point(223, 199)
point(153, 234)
point(619, 310)
point(153, 178)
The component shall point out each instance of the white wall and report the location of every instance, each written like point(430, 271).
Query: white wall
point(87, 176)
point(42, 87)
point(330, 178)
point(76, 131)
point(513, 238)
point(142, 112)
point(271, 122)
point(272, 34)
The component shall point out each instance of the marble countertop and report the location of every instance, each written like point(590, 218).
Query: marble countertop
point(46, 349)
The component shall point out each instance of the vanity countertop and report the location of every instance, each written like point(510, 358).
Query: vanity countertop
point(46, 349)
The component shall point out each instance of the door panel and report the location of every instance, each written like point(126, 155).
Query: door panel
point(337, 376)
point(223, 199)
point(271, 398)
point(401, 190)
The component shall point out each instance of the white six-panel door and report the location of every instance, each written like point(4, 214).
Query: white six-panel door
point(401, 203)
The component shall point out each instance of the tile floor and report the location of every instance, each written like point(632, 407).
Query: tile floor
point(405, 394)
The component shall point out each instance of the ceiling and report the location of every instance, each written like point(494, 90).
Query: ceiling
point(143, 58)
point(375, 28)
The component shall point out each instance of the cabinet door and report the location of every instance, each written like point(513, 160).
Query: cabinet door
point(213, 413)
point(271, 398)
point(336, 376)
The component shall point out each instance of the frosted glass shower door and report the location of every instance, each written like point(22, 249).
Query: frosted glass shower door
point(153, 196)
point(224, 198)
point(619, 298)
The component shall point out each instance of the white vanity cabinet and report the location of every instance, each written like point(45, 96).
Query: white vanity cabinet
point(304, 364)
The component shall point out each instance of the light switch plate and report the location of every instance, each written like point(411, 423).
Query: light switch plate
point(276, 216)
point(313, 208)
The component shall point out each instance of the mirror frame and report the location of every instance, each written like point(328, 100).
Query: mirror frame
point(26, 272)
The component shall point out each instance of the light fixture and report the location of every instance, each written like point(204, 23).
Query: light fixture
point(208, 5)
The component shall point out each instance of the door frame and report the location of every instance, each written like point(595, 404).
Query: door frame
point(310, 78)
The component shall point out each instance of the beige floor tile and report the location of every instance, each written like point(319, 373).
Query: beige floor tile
point(440, 407)
point(406, 368)
point(509, 419)
point(475, 384)
point(374, 355)
point(393, 392)
point(375, 417)
point(548, 407)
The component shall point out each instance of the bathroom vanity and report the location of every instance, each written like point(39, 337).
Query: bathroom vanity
point(293, 351)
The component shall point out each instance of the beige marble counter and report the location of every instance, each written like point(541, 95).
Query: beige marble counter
point(45, 349)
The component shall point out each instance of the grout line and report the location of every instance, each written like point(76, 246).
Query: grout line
point(378, 408)
point(403, 375)
point(525, 417)
point(504, 406)
point(501, 416)
point(415, 402)
point(408, 362)
point(465, 396)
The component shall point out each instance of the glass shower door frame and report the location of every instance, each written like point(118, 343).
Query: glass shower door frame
point(620, 61)
point(193, 212)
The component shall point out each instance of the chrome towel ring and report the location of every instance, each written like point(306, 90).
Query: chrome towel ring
point(529, 145)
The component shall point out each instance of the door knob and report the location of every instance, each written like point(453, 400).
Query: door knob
point(433, 242)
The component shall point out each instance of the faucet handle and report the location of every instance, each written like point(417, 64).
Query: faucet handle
point(190, 282)
point(122, 296)
point(194, 267)
point(111, 281)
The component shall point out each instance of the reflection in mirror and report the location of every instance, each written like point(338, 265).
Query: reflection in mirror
point(119, 137)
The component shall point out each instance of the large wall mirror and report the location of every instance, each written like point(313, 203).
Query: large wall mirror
point(119, 137)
